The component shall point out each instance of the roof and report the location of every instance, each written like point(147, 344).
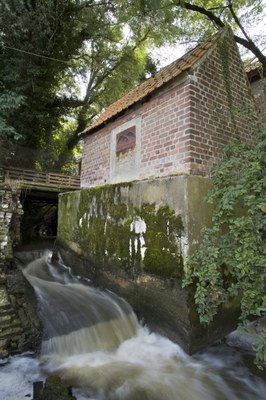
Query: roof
point(162, 77)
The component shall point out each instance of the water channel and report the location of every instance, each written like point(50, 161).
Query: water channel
point(93, 339)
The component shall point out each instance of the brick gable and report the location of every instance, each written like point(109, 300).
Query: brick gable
point(184, 123)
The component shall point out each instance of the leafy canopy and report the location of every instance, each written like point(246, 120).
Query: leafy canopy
point(47, 48)
point(197, 19)
point(50, 49)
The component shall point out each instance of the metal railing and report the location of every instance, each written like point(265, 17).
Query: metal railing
point(50, 179)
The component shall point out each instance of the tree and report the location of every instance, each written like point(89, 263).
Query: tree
point(48, 47)
point(29, 28)
point(231, 260)
point(9, 104)
point(197, 18)
point(45, 46)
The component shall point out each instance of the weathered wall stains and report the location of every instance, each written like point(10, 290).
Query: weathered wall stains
point(111, 224)
point(134, 238)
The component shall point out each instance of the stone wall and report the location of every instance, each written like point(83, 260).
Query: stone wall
point(133, 239)
point(10, 213)
point(19, 326)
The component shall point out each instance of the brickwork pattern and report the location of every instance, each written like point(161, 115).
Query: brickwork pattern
point(165, 121)
point(186, 123)
point(95, 165)
point(219, 98)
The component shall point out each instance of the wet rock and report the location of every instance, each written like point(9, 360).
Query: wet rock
point(10, 215)
point(15, 283)
point(54, 389)
point(37, 388)
point(244, 337)
point(20, 327)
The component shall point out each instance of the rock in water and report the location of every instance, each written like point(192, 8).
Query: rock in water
point(55, 389)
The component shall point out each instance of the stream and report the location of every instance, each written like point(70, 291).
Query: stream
point(92, 339)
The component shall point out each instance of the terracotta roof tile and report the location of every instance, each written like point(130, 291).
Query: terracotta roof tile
point(150, 85)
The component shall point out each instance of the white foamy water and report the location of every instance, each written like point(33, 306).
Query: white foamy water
point(144, 367)
point(17, 377)
point(96, 345)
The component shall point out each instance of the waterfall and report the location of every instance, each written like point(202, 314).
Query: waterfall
point(77, 318)
point(92, 339)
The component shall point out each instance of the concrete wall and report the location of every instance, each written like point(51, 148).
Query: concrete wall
point(181, 128)
point(133, 238)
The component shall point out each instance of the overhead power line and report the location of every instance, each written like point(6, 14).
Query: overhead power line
point(36, 55)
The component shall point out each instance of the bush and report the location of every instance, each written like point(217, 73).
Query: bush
point(231, 259)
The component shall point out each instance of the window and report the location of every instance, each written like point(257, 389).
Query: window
point(126, 140)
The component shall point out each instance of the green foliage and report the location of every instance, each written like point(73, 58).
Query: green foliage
point(9, 104)
point(51, 49)
point(28, 28)
point(260, 348)
point(231, 260)
point(195, 20)
point(47, 49)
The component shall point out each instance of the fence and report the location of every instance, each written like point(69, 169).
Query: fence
point(29, 177)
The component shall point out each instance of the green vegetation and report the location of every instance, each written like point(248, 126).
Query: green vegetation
point(105, 228)
point(197, 19)
point(230, 261)
point(163, 254)
point(50, 49)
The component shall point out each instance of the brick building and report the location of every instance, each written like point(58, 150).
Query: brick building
point(176, 122)
point(144, 177)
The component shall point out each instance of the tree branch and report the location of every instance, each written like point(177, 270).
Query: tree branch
point(66, 102)
point(193, 7)
point(250, 45)
point(246, 42)
point(237, 21)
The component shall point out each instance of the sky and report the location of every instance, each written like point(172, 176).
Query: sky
point(168, 54)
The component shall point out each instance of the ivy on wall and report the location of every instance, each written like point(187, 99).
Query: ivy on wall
point(225, 61)
point(231, 261)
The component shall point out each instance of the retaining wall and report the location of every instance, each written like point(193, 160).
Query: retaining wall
point(20, 328)
point(134, 238)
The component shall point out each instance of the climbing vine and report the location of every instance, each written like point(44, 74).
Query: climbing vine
point(225, 61)
point(231, 261)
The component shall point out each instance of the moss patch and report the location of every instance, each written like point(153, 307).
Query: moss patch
point(162, 239)
point(103, 223)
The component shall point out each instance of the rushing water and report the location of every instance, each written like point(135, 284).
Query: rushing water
point(93, 340)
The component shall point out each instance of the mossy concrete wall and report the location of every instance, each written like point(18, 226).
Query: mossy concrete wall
point(134, 238)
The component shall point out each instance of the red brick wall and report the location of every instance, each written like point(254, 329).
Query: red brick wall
point(185, 124)
point(165, 120)
point(96, 159)
point(218, 97)
point(95, 167)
